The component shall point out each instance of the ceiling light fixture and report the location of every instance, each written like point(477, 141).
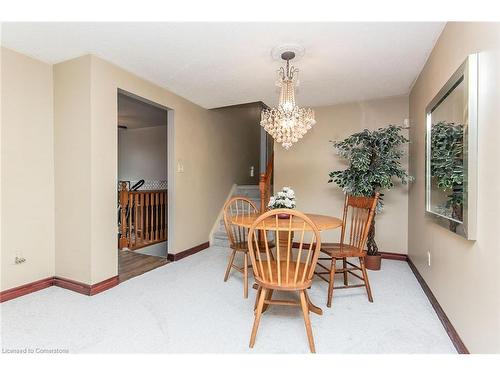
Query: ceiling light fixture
point(287, 123)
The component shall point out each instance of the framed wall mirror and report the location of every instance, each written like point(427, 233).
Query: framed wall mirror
point(451, 152)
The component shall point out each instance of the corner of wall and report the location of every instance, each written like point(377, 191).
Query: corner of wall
point(72, 168)
point(216, 225)
point(27, 184)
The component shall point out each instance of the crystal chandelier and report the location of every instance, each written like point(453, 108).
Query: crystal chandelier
point(287, 123)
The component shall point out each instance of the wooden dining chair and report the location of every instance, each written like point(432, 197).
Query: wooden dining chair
point(357, 217)
point(283, 268)
point(234, 207)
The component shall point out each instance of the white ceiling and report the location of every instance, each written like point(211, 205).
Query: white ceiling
point(135, 114)
point(221, 64)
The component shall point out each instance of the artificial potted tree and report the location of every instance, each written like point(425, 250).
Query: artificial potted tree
point(374, 158)
point(447, 168)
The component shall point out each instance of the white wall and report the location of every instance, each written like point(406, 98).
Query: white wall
point(72, 144)
point(142, 154)
point(463, 274)
point(208, 143)
point(27, 164)
point(306, 165)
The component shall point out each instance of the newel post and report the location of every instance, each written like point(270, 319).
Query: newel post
point(262, 188)
point(123, 198)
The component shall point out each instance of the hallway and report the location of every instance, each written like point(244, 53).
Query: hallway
point(132, 264)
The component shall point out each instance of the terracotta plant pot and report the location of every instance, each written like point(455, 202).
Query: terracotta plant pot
point(372, 262)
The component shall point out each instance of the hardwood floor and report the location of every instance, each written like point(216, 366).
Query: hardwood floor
point(131, 264)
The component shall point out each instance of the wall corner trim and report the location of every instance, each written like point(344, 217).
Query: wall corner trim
point(22, 290)
point(450, 330)
point(91, 290)
point(394, 256)
point(88, 290)
point(61, 282)
point(185, 253)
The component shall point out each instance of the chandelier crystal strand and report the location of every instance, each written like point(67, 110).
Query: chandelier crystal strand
point(287, 123)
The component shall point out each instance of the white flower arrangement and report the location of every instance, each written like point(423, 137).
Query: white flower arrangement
point(283, 199)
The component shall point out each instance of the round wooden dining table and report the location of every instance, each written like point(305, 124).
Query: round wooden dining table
point(322, 222)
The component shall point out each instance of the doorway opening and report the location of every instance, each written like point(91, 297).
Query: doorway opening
point(142, 185)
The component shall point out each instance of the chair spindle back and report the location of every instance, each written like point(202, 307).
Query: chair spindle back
point(357, 218)
point(284, 265)
point(237, 207)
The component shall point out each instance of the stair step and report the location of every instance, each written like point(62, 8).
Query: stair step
point(251, 192)
point(248, 190)
point(254, 200)
point(220, 243)
point(254, 187)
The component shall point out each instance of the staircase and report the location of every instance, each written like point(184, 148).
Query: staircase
point(252, 192)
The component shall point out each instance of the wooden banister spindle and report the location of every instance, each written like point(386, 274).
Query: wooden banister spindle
point(166, 209)
point(157, 207)
point(262, 189)
point(123, 217)
point(146, 222)
point(130, 223)
point(146, 217)
point(140, 218)
point(151, 222)
point(165, 215)
point(162, 214)
point(265, 188)
point(136, 214)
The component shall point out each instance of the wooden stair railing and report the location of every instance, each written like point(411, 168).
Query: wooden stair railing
point(265, 184)
point(143, 217)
